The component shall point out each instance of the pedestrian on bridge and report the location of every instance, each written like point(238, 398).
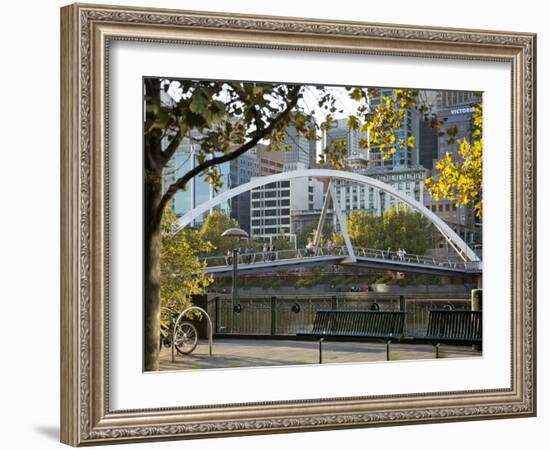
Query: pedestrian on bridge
point(251, 253)
point(401, 254)
point(229, 257)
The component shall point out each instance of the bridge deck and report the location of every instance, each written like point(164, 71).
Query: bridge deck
point(367, 258)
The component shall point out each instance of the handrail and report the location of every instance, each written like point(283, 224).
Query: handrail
point(339, 250)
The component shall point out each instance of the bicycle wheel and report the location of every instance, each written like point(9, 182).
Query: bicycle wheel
point(186, 338)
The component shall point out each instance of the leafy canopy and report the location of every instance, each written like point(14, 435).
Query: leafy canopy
point(459, 178)
point(211, 231)
point(181, 271)
point(398, 227)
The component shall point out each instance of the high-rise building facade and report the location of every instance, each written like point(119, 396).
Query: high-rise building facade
point(455, 110)
point(353, 196)
point(241, 171)
point(446, 99)
point(302, 153)
point(272, 205)
point(271, 162)
point(460, 219)
point(427, 145)
point(198, 190)
point(458, 116)
point(404, 156)
point(339, 132)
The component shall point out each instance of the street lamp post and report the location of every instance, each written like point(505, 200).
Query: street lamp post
point(240, 233)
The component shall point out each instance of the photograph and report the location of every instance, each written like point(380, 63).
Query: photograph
point(288, 224)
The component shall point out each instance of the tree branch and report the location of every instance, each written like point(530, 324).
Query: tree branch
point(182, 182)
point(172, 147)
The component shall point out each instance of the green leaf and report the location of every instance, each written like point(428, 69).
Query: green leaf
point(198, 103)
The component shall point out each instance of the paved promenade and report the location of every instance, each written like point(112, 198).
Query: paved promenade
point(260, 352)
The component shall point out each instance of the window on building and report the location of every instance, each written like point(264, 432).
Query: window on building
point(447, 207)
point(271, 203)
point(257, 213)
point(285, 202)
point(270, 212)
point(285, 212)
point(285, 184)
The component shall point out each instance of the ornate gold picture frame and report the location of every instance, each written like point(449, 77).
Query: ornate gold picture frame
point(87, 31)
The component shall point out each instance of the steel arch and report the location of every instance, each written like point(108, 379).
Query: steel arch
point(447, 231)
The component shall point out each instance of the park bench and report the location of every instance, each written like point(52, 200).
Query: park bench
point(456, 327)
point(386, 326)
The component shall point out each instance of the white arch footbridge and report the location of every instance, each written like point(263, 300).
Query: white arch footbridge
point(457, 243)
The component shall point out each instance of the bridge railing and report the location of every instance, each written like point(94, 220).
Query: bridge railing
point(412, 258)
point(245, 257)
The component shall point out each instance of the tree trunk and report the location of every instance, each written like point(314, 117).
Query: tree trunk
point(152, 194)
point(151, 274)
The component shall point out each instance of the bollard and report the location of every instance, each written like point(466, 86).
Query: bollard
point(477, 305)
point(402, 307)
point(477, 299)
point(273, 325)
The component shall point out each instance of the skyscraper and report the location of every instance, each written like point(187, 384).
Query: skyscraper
point(242, 170)
point(273, 204)
point(271, 162)
point(302, 151)
point(459, 116)
point(403, 157)
point(446, 99)
point(340, 132)
point(427, 145)
point(198, 189)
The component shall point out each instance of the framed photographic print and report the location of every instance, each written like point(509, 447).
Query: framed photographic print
point(281, 224)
